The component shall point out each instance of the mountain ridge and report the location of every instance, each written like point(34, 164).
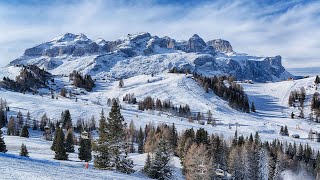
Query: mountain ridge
point(143, 53)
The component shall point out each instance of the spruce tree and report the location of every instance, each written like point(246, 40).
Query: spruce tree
point(116, 141)
point(24, 151)
point(66, 119)
point(102, 159)
point(85, 150)
point(60, 149)
point(69, 141)
point(3, 147)
point(140, 141)
point(160, 166)
point(147, 165)
point(25, 132)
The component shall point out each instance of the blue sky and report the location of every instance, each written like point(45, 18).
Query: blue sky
point(267, 28)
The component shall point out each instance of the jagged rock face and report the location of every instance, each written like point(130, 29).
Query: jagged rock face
point(196, 44)
point(220, 45)
point(145, 54)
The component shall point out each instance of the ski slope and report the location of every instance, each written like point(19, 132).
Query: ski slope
point(270, 100)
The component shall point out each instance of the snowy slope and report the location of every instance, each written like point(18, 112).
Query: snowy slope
point(270, 100)
point(41, 164)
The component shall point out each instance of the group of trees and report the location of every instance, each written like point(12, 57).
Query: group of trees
point(148, 103)
point(130, 98)
point(18, 126)
point(30, 79)
point(297, 96)
point(284, 131)
point(233, 93)
point(244, 158)
point(81, 81)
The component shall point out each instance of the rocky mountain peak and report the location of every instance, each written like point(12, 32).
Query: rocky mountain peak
point(220, 45)
point(196, 44)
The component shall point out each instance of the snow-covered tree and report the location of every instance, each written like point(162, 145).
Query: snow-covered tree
point(263, 162)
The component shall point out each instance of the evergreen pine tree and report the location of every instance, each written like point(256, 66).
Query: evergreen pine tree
point(116, 141)
point(140, 141)
point(69, 141)
point(85, 150)
point(160, 167)
point(3, 147)
point(25, 132)
point(102, 159)
point(24, 151)
point(66, 119)
point(60, 149)
point(147, 165)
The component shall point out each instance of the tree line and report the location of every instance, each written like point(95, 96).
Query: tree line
point(81, 81)
point(30, 79)
point(148, 103)
point(226, 88)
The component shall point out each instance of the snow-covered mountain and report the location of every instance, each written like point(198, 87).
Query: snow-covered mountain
point(142, 53)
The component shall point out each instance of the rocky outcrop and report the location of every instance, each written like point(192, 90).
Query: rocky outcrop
point(220, 45)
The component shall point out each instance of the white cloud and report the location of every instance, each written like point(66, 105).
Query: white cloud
point(271, 30)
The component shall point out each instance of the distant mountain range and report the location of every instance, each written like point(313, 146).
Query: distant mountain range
point(143, 53)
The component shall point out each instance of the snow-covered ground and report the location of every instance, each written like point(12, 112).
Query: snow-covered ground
point(270, 100)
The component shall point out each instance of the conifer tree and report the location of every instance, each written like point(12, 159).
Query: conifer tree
point(59, 147)
point(69, 141)
point(85, 150)
point(102, 159)
point(3, 147)
point(66, 119)
point(160, 166)
point(116, 141)
point(25, 132)
point(147, 165)
point(140, 141)
point(24, 151)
